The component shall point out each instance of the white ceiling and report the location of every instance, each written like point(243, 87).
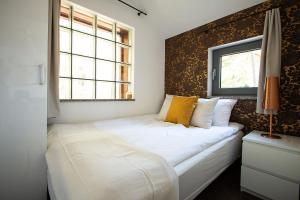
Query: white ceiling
point(172, 17)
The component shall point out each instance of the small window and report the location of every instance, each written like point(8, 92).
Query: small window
point(95, 56)
point(235, 69)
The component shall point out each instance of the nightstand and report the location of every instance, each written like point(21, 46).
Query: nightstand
point(271, 167)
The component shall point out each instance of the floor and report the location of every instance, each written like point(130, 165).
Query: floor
point(226, 186)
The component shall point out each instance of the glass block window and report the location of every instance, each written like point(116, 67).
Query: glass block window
point(95, 57)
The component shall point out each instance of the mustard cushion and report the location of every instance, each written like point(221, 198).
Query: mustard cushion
point(181, 110)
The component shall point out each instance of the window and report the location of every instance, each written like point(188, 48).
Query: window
point(95, 57)
point(235, 69)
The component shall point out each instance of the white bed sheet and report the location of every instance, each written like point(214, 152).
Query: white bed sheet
point(174, 142)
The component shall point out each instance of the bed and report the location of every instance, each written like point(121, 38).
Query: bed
point(197, 155)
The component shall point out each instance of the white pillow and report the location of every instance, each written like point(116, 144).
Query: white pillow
point(165, 108)
point(203, 113)
point(222, 112)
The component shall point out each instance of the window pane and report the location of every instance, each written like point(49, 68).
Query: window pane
point(65, 15)
point(123, 91)
point(96, 49)
point(123, 54)
point(123, 72)
point(83, 67)
point(105, 90)
point(65, 40)
point(123, 35)
point(64, 88)
point(105, 29)
point(65, 65)
point(105, 70)
point(83, 89)
point(83, 44)
point(83, 22)
point(240, 70)
point(105, 49)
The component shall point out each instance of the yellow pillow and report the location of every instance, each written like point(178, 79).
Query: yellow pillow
point(181, 110)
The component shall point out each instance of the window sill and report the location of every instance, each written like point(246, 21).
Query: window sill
point(94, 100)
point(235, 97)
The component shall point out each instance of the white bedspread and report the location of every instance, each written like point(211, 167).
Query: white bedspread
point(174, 142)
point(84, 163)
point(127, 158)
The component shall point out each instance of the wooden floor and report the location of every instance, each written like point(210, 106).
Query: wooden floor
point(226, 186)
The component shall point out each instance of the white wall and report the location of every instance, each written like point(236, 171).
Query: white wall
point(23, 108)
point(149, 69)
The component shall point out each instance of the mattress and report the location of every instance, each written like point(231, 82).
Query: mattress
point(174, 142)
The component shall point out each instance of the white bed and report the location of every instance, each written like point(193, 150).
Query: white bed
point(197, 155)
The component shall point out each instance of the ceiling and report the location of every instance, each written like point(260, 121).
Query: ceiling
point(172, 17)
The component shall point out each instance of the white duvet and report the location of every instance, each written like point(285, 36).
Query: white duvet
point(127, 158)
point(174, 142)
point(86, 164)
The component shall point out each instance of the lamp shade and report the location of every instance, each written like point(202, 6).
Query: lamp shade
point(271, 98)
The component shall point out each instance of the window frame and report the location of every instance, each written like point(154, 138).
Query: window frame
point(237, 47)
point(116, 45)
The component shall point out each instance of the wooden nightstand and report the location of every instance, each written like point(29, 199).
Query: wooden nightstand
point(271, 167)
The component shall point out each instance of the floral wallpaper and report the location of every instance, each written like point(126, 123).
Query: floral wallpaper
point(186, 63)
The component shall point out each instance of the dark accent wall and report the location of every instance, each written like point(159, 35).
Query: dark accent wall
point(186, 62)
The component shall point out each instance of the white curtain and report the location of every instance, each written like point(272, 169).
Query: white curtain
point(270, 63)
point(53, 58)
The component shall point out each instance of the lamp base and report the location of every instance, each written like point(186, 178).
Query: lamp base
point(271, 136)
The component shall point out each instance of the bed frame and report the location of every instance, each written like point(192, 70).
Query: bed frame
point(196, 173)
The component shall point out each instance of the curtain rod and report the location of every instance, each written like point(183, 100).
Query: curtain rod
point(139, 11)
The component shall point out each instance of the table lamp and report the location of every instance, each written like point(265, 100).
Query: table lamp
point(271, 102)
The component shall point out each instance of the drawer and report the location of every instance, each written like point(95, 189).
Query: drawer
point(268, 186)
point(281, 163)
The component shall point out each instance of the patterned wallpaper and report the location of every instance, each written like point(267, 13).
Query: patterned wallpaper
point(186, 62)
